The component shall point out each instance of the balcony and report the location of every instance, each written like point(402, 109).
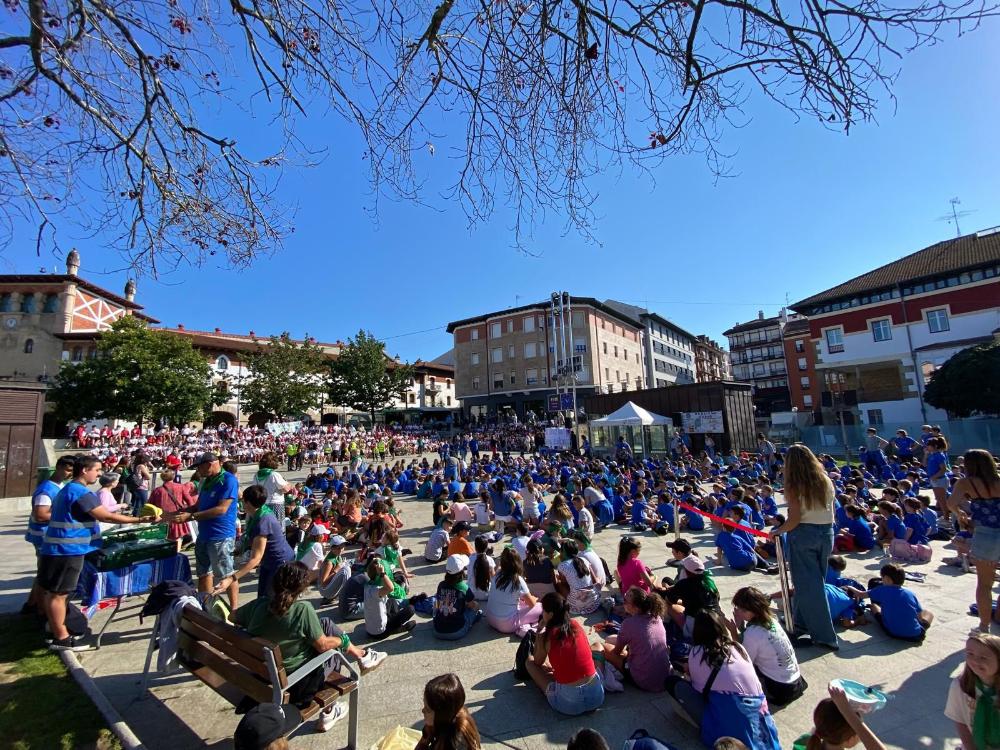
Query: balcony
point(835, 348)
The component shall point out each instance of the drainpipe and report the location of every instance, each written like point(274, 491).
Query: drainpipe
point(913, 355)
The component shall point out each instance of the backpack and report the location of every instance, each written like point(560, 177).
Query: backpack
point(132, 478)
point(524, 651)
point(641, 740)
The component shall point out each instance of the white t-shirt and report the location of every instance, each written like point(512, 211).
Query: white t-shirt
point(520, 545)
point(593, 495)
point(960, 707)
point(313, 556)
point(376, 611)
point(41, 500)
point(482, 514)
point(772, 653)
point(274, 487)
point(437, 544)
point(583, 596)
point(596, 566)
point(585, 522)
point(481, 594)
point(502, 603)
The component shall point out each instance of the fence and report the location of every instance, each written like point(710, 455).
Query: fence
point(962, 434)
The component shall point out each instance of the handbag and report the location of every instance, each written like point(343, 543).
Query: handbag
point(524, 651)
point(743, 717)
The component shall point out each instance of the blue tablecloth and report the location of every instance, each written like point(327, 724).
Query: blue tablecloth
point(95, 585)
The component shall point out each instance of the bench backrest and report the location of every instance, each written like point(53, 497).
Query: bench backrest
point(226, 652)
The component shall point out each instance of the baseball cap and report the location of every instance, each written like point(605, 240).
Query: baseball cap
point(456, 563)
point(461, 526)
point(206, 458)
point(317, 531)
point(681, 545)
point(337, 541)
point(693, 564)
point(265, 723)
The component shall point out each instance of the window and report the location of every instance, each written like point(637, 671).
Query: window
point(411, 398)
point(531, 376)
point(834, 340)
point(637, 357)
point(618, 376)
point(800, 346)
point(807, 400)
point(495, 330)
point(6, 303)
point(474, 359)
point(475, 383)
point(605, 347)
point(498, 380)
point(498, 355)
point(513, 377)
point(29, 346)
point(530, 350)
point(51, 303)
point(77, 354)
point(510, 326)
point(616, 351)
point(475, 334)
point(449, 400)
point(541, 322)
point(937, 321)
point(28, 303)
point(875, 417)
point(579, 345)
point(607, 373)
point(578, 320)
point(510, 351)
point(222, 363)
point(758, 370)
point(625, 353)
point(882, 329)
point(529, 324)
point(804, 381)
point(802, 363)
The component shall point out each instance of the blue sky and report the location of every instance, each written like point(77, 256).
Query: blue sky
point(806, 209)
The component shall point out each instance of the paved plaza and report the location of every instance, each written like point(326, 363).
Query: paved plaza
point(179, 712)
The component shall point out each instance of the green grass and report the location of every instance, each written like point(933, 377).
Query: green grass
point(41, 706)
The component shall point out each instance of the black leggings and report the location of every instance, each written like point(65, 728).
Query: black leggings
point(781, 693)
point(395, 621)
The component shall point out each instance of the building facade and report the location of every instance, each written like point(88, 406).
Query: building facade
point(711, 361)
point(757, 354)
point(804, 387)
point(880, 337)
point(668, 350)
point(507, 362)
point(430, 396)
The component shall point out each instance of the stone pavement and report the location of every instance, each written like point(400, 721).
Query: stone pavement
point(179, 712)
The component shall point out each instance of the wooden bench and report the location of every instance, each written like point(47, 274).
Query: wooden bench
point(237, 666)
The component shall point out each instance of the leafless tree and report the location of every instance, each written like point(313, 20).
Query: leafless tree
point(108, 107)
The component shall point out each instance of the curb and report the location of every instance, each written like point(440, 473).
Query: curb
point(115, 722)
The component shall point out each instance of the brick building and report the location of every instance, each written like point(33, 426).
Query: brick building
point(711, 361)
point(879, 337)
point(800, 358)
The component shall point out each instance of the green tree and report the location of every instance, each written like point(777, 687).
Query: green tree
point(287, 378)
point(363, 377)
point(139, 374)
point(968, 383)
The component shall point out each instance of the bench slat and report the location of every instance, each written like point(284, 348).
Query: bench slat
point(229, 634)
point(230, 647)
point(227, 669)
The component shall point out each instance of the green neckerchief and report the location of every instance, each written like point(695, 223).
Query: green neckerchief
point(986, 721)
point(303, 549)
point(263, 474)
point(333, 559)
point(253, 522)
point(710, 582)
point(210, 482)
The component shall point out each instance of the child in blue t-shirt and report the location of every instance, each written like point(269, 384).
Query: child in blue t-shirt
point(740, 554)
point(665, 514)
point(693, 521)
point(639, 520)
point(897, 609)
point(915, 522)
point(858, 529)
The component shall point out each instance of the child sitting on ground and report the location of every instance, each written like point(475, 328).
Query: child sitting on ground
point(437, 544)
point(739, 554)
point(856, 536)
point(896, 608)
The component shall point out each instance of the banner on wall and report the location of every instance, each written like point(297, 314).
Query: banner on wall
point(702, 422)
point(279, 428)
point(557, 438)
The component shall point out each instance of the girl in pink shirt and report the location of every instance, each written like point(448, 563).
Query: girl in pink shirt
point(631, 571)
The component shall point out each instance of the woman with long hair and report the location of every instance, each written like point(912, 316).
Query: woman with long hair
point(511, 606)
point(569, 681)
point(973, 702)
point(768, 647)
point(724, 697)
point(809, 494)
point(481, 567)
point(980, 487)
point(294, 626)
point(447, 723)
point(539, 572)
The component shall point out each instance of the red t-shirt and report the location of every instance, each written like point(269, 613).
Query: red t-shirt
point(571, 658)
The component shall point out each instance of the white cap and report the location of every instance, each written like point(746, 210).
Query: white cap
point(317, 531)
point(693, 564)
point(337, 541)
point(456, 563)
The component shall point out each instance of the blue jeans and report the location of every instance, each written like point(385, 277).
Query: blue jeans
point(471, 618)
point(809, 546)
point(574, 700)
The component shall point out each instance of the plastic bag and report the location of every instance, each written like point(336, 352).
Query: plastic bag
point(399, 738)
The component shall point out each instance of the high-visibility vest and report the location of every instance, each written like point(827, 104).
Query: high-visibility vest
point(65, 535)
point(36, 529)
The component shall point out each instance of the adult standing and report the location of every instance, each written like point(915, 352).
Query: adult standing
point(981, 487)
point(767, 453)
point(710, 447)
point(264, 539)
point(216, 517)
point(937, 473)
point(172, 497)
point(138, 484)
point(38, 521)
point(274, 484)
point(73, 531)
point(809, 494)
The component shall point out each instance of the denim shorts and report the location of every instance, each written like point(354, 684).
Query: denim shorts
point(986, 544)
point(574, 700)
point(214, 557)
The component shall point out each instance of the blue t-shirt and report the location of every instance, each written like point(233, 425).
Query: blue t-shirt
point(904, 445)
point(666, 513)
point(935, 461)
point(638, 512)
point(931, 518)
point(899, 610)
point(739, 555)
point(862, 533)
point(895, 526)
point(839, 601)
point(224, 526)
point(276, 551)
point(695, 521)
point(916, 522)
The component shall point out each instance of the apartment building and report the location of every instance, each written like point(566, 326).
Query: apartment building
point(711, 361)
point(507, 362)
point(880, 336)
point(429, 397)
point(668, 350)
point(800, 357)
point(757, 354)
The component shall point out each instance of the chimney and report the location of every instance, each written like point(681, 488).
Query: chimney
point(130, 290)
point(73, 262)
point(218, 330)
point(180, 326)
point(760, 315)
point(252, 335)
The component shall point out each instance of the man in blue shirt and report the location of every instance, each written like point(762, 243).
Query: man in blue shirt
point(216, 517)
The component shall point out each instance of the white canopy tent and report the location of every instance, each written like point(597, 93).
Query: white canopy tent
point(642, 430)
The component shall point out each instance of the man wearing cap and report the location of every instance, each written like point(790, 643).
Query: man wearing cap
point(216, 517)
point(265, 726)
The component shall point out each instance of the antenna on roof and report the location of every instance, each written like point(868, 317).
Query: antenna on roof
point(955, 215)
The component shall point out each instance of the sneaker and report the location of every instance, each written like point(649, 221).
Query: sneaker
point(330, 716)
point(406, 627)
point(68, 644)
point(371, 659)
